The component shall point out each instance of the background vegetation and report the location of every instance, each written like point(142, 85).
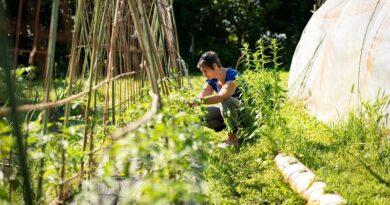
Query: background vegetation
point(220, 25)
point(224, 25)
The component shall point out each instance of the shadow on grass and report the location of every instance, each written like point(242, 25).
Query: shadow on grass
point(376, 175)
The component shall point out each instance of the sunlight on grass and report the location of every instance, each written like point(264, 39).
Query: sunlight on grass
point(350, 156)
point(284, 79)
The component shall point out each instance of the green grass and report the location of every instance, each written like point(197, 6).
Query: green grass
point(284, 79)
point(355, 172)
point(351, 157)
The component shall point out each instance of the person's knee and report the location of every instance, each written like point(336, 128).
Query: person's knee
point(230, 102)
point(230, 105)
point(214, 119)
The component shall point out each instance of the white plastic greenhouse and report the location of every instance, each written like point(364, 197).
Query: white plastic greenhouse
point(343, 57)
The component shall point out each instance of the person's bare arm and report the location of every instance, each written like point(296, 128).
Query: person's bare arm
point(206, 91)
point(226, 92)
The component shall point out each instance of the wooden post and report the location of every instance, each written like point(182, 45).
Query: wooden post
point(17, 33)
point(36, 34)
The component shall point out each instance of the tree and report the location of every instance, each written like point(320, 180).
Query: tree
point(224, 25)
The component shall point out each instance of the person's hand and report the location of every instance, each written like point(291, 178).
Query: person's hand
point(194, 103)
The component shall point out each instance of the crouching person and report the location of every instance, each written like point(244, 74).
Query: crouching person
point(223, 82)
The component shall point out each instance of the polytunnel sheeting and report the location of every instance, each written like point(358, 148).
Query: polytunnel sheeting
point(343, 57)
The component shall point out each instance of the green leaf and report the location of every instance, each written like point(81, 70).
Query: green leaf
point(3, 194)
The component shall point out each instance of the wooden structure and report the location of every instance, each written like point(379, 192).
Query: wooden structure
point(29, 24)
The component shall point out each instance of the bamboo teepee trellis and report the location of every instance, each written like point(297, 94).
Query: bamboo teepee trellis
point(131, 40)
point(141, 36)
point(124, 37)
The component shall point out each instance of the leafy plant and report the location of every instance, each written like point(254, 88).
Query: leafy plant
point(27, 73)
point(165, 158)
point(262, 93)
point(247, 174)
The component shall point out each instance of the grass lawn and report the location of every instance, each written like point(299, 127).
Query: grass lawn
point(352, 157)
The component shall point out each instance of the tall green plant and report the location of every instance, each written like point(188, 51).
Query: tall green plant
point(262, 92)
point(246, 174)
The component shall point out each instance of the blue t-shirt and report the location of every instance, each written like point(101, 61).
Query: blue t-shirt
point(231, 74)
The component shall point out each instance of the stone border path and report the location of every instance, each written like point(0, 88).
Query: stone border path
point(303, 181)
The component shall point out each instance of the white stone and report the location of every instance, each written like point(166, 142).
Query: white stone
point(303, 181)
point(331, 199)
point(290, 170)
point(315, 189)
point(282, 161)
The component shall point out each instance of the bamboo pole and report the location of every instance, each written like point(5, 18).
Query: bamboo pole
point(93, 61)
point(117, 55)
point(130, 64)
point(125, 65)
point(155, 62)
point(110, 67)
point(87, 111)
point(85, 36)
point(120, 85)
point(176, 42)
point(73, 58)
point(160, 15)
point(145, 45)
point(51, 48)
point(166, 17)
point(133, 65)
point(123, 60)
point(91, 142)
point(97, 36)
point(49, 75)
point(113, 96)
point(160, 37)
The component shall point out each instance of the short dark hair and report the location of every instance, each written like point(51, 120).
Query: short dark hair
point(208, 59)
